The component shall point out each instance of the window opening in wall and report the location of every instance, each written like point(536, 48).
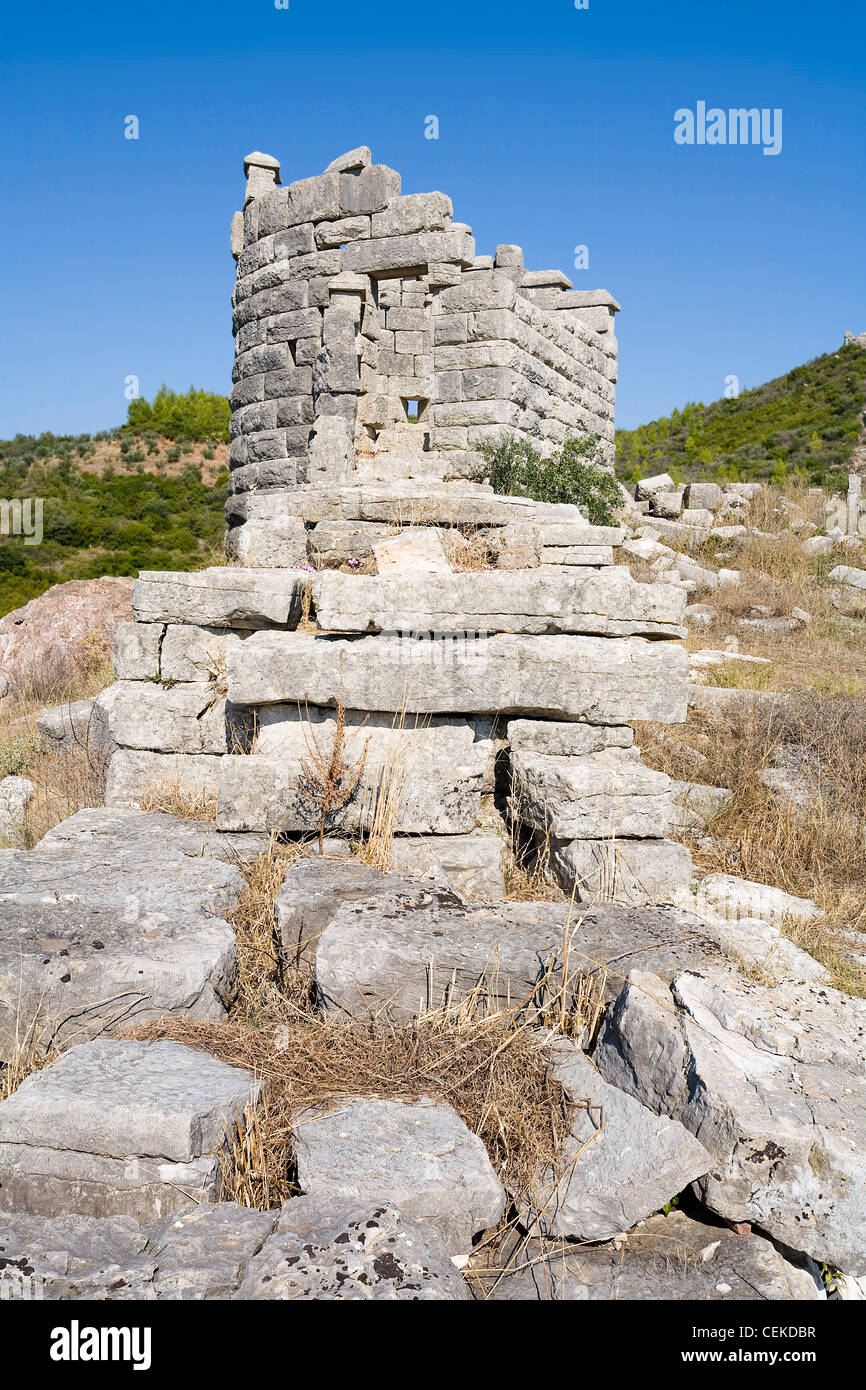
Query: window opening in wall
point(413, 410)
point(293, 343)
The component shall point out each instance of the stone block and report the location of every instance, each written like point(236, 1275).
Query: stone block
point(120, 1129)
point(368, 190)
point(221, 596)
point(620, 870)
point(597, 796)
point(321, 1251)
point(620, 1161)
point(344, 229)
point(607, 602)
point(415, 212)
point(134, 773)
point(416, 551)
point(314, 200)
point(553, 738)
point(188, 718)
point(407, 252)
point(418, 1156)
point(578, 678)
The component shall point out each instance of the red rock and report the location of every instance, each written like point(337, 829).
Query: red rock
point(69, 628)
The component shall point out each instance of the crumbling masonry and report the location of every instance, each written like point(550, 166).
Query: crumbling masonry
point(488, 653)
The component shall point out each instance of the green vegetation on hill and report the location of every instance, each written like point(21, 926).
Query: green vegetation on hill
point(103, 523)
point(190, 415)
point(805, 423)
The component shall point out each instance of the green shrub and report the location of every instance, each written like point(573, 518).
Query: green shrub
point(572, 474)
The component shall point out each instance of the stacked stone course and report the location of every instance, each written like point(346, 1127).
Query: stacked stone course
point(375, 351)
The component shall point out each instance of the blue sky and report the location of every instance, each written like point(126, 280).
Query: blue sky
point(555, 129)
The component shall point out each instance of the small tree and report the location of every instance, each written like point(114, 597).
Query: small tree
point(572, 474)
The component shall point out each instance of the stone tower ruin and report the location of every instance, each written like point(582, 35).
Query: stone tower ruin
point(469, 663)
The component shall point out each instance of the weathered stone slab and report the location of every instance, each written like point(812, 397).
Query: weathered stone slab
point(136, 651)
point(417, 1156)
point(404, 502)
point(416, 551)
point(620, 1162)
point(472, 865)
point(133, 773)
point(119, 1128)
point(432, 773)
point(598, 796)
point(577, 556)
point(323, 1251)
point(771, 1081)
point(97, 930)
point(556, 739)
point(726, 897)
point(626, 871)
point(15, 795)
point(183, 718)
point(226, 596)
point(587, 678)
point(849, 576)
point(668, 1258)
point(408, 951)
point(79, 724)
point(608, 603)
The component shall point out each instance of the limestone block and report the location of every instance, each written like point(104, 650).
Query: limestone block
point(593, 797)
point(607, 602)
point(343, 230)
point(619, 870)
point(432, 774)
point(766, 1068)
point(581, 556)
point(849, 576)
point(331, 452)
point(321, 1251)
point(314, 200)
point(368, 190)
point(133, 773)
point(135, 654)
point(224, 596)
point(336, 542)
point(419, 1156)
point(416, 551)
point(172, 719)
point(415, 212)
point(358, 158)
point(620, 1161)
point(481, 291)
point(704, 495)
point(586, 678)
point(120, 1128)
point(277, 544)
point(195, 654)
point(297, 323)
point(556, 739)
point(646, 488)
point(667, 502)
point(93, 932)
point(404, 252)
point(473, 864)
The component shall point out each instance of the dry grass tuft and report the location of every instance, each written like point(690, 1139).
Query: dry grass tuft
point(182, 799)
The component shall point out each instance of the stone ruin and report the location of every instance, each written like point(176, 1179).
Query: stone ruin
point(396, 648)
point(471, 701)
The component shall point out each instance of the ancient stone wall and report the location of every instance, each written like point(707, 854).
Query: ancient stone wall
point(373, 344)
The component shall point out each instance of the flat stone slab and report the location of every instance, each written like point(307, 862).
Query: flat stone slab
point(772, 1081)
point(401, 945)
point(198, 1254)
point(184, 718)
point(607, 603)
point(620, 1162)
point(581, 678)
point(223, 596)
point(135, 773)
point(418, 1156)
point(119, 1128)
point(728, 898)
point(600, 795)
point(847, 574)
point(323, 1250)
point(668, 1259)
point(114, 916)
point(558, 739)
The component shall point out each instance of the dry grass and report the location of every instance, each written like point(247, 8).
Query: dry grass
point(483, 1058)
point(67, 777)
point(814, 849)
point(180, 798)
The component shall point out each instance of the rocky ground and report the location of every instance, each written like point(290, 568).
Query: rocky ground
point(236, 1067)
